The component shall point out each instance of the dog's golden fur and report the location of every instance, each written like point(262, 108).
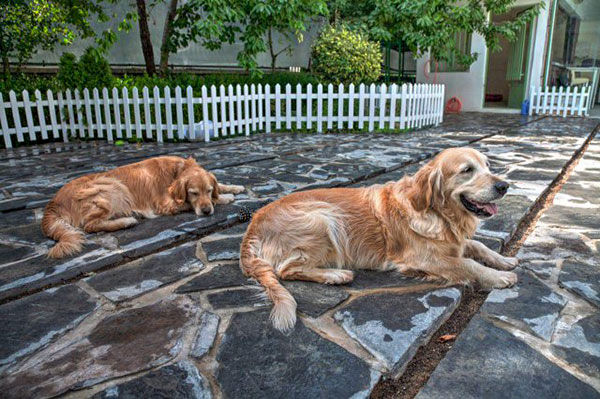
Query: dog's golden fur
point(107, 201)
point(418, 226)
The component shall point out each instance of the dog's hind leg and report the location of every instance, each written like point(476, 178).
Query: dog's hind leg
point(300, 268)
point(109, 225)
point(231, 188)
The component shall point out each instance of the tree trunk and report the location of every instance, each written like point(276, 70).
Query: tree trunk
point(272, 51)
point(145, 37)
point(6, 67)
point(164, 49)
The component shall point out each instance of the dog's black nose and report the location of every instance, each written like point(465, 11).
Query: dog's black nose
point(206, 211)
point(501, 187)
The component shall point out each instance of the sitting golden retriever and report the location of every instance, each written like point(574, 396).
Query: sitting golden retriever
point(420, 225)
point(107, 201)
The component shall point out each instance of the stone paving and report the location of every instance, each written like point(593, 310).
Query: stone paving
point(163, 309)
point(540, 338)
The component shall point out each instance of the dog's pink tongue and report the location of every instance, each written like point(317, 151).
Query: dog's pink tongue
point(492, 209)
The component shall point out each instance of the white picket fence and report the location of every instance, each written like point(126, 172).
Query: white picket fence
point(553, 101)
point(222, 111)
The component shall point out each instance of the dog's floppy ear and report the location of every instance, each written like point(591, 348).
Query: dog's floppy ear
point(178, 190)
point(215, 184)
point(427, 190)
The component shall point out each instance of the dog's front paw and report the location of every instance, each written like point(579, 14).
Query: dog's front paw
point(339, 277)
point(225, 199)
point(505, 280)
point(506, 263)
point(237, 189)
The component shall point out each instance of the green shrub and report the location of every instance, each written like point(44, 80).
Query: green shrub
point(340, 55)
point(92, 70)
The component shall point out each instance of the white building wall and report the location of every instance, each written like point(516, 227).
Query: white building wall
point(467, 86)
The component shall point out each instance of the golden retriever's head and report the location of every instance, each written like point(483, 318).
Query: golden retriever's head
point(195, 186)
point(459, 181)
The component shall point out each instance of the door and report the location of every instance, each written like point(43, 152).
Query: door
point(516, 73)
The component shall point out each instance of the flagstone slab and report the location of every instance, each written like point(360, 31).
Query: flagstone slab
point(123, 343)
point(581, 278)
point(30, 323)
point(580, 345)
point(205, 337)
point(392, 326)
point(221, 276)
point(532, 304)
point(257, 361)
point(488, 362)
point(314, 299)
point(177, 381)
point(138, 277)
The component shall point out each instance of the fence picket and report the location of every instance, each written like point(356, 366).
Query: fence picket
point(4, 124)
point(205, 132)
point(382, 101)
point(340, 112)
point(169, 112)
point(79, 112)
point(253, 107)
point(361, 106)
point(52, 111)
point(109, 135)
point(268, 108)
point(214, 109)
point(224, 118)
point(179, 112)
point(298, 106)
point(117, 113)
point(136, 114)
point(309, 100)
point(147, 114)
point(98, 112)
point(319, 108)
point(40, 112)
point(393, 96)
point(232, 117)
point(239, 117)
point(329, 106)
point(288, 106)
point(88, 112)
point(157, 115)
point(126, 112)
point(28, 116)
point(246, 111)
point(62, 116)
point(190, 111)
point(573, 101)
point(403, 95)
point(582, 96)
point(261, 113)
point(277, 107)
point(372, 94)
point(69, 102)
point(558, 100)
point(566, 103)
point(351, 95)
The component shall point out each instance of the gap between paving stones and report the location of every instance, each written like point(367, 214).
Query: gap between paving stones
point(428, 356)
point(229, 222)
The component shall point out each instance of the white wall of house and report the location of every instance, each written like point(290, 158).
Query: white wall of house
point(469, 86)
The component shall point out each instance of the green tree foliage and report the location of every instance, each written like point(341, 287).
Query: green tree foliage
point(423, 25)
point(343, 56)
point(213, 23)
point(28, 26)
point(92, 70)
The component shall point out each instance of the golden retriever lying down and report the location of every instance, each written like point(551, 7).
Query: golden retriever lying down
point(107, 201)
point(420, 225)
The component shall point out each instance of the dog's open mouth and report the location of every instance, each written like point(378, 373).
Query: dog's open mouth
point(483, 209)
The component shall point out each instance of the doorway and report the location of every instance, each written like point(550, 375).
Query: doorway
point(508, 69)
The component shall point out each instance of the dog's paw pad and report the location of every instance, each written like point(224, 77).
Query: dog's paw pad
point(339, 277)
point(506, 280)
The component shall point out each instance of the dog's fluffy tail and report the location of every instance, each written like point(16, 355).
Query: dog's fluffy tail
point(283, 315)
point(56, 227)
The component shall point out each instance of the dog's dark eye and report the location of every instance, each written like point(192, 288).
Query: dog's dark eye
point(468, 169)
